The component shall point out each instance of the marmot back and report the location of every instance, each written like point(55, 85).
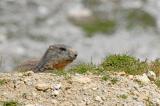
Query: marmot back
point(56, 57)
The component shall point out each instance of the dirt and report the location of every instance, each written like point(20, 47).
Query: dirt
point(47, 89)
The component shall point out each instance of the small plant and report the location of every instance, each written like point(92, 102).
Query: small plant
point(60, 72)
point(125, 63)
point(123, 96)
point(105, 77)
point(157, 82)
point(11, 103)
point(114, 80)
point(149, 102)
point(2, 81)
point(155, 66)
point(83, 68)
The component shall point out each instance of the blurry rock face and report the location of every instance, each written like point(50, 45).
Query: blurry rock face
point(27, 27)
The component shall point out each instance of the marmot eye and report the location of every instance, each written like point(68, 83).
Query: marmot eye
point(62, 49)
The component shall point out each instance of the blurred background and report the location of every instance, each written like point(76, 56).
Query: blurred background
point(95, 28)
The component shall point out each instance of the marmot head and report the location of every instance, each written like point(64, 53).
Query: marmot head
point(57, 57)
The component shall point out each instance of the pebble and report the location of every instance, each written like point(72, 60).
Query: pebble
point(143, 78)
point(151, 75)
point(42, 86)
point(99, 99)
point(57, 86)
point(55, 93)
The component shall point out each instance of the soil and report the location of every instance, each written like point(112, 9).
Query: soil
point(48, 89)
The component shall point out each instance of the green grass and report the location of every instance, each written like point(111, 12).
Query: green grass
point(123, 96)
point(2, 81)
point(105, 77)
point(149, 102)
point(84, 68)
point(157, 82)
point(155, 67)
point(11, 103)
point(128, 64)
point(114, 80)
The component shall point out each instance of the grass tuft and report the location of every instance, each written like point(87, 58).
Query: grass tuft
point(11, 103)
point(155, 67)
point(123, 96)
point(128, 64)
point(157, 82)
point(2, 81)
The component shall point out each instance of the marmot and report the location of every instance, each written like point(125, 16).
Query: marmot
point(56, 57)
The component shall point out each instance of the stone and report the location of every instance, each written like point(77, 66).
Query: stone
point(57, 86)
point(55, 93)
point(143, 78)
point(99, 99)
point(42, 86)
point(151, 75)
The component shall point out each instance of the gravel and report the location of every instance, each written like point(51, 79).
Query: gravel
point(46, 89)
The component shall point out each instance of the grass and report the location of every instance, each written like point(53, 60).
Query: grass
point(2, 81)
point(155, 67)
point(114, 80)
point(85, 68)
point(128, 64)
point(123, 96)
point(157, 82)
point(11, 103)
point(149, 102)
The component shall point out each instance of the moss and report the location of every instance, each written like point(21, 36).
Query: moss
point(97, 25)
point(125, 63)
point(11, 103)
point(140, 18)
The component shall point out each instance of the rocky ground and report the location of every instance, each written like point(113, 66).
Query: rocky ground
point(47, 89)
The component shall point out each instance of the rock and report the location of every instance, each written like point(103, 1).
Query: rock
point(57, 86)
point(55, 93)
point(99, 99)
point(54, 101)
point(143, 78)
point(151, 75)
point(42, 87)
point(28, 81)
